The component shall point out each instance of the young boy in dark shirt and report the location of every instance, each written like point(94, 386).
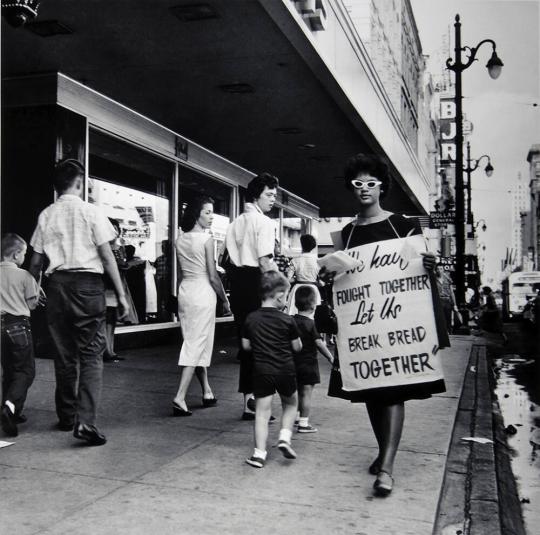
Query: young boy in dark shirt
point(307, 367)
point(272, 336)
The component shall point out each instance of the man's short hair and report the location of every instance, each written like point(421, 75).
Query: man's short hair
point(65, 174)
point(11, 243)
point(257, 185)
point(308, 242)
point(305, 298)
point(273, 282)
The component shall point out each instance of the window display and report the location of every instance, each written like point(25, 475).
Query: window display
point(134, 188)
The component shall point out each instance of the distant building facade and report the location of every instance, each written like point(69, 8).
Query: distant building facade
point(533, 220)
point(520, 224)
point(388, 30)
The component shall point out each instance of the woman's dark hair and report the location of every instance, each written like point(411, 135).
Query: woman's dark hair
point(130, 251)
point(257, 185)
point(371, 165)
point(308, 242)
point(65, 174)
point(193, 212)
point(487, 290)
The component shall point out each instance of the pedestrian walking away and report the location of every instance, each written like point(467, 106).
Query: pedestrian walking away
point(305, 270)
point(307, 367)
point(490, 318)
point(199, 286)
point(250, 242)
point(19, 294)
point(74, 237)
point(271, 336)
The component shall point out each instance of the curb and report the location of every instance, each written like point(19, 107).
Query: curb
point(468, 503)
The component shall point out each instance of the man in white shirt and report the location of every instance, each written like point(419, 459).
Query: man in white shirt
point(75, 236)
point(250, 243)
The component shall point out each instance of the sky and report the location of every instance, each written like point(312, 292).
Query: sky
point(505, 123)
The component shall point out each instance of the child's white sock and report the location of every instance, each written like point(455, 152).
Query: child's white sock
point(259, 453)
point(303, 422)
point(10, 405)
point(286, 435)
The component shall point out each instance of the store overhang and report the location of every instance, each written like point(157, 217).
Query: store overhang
point(241, 81)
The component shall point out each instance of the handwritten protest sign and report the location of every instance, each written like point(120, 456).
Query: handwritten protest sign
point(387, 334)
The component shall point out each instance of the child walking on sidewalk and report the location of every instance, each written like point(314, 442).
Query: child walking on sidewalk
point(19, 293)
point(307, 367)
point(272, 336)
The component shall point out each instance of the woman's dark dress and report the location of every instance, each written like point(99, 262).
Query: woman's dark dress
point(380, 231)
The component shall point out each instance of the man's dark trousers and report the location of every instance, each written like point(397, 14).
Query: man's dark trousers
point(18, 366)
point(245, 298)
point(76, 318)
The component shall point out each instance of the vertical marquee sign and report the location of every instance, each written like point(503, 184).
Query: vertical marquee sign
point(387, 334)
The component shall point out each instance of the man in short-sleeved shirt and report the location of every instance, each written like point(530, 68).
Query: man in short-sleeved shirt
point(250, 243)
point(75, 236)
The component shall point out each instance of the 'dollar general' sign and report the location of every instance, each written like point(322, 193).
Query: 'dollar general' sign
point(387, 334)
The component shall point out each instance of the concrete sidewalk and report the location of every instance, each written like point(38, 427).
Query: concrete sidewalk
point(161, 475)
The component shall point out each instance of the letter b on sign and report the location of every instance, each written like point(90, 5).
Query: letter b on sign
point(448, 109)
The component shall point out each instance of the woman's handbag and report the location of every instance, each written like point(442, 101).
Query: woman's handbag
point(335, 385)
point(325, 319)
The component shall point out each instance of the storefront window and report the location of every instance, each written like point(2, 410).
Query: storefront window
point(293, 228)
point(134, 188)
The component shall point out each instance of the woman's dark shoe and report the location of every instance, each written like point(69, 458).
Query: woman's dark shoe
point(375, 467)
point(383, 484)
point(209, 402)
point(179, 411)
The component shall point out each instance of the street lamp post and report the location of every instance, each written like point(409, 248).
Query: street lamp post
point(472, 165)
point(494, 66)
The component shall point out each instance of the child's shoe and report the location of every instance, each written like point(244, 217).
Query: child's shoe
point(286, 449)
point(257, 462)
point(306, 429)
point(9, 422)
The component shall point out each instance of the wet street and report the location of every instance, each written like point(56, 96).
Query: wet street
point(517, 371)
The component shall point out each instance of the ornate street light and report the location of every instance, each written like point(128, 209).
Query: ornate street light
point(472, 165)
point(494, 66)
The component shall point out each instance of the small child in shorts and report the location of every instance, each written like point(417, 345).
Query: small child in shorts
point(272, 336)
point(307, 367)
point(19, 293)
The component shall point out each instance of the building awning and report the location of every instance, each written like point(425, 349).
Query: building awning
point(243, 79)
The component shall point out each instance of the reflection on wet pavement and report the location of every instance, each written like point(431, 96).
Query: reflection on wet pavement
point(517, 391)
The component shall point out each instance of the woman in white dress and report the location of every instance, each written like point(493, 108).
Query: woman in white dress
point(200, 284)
